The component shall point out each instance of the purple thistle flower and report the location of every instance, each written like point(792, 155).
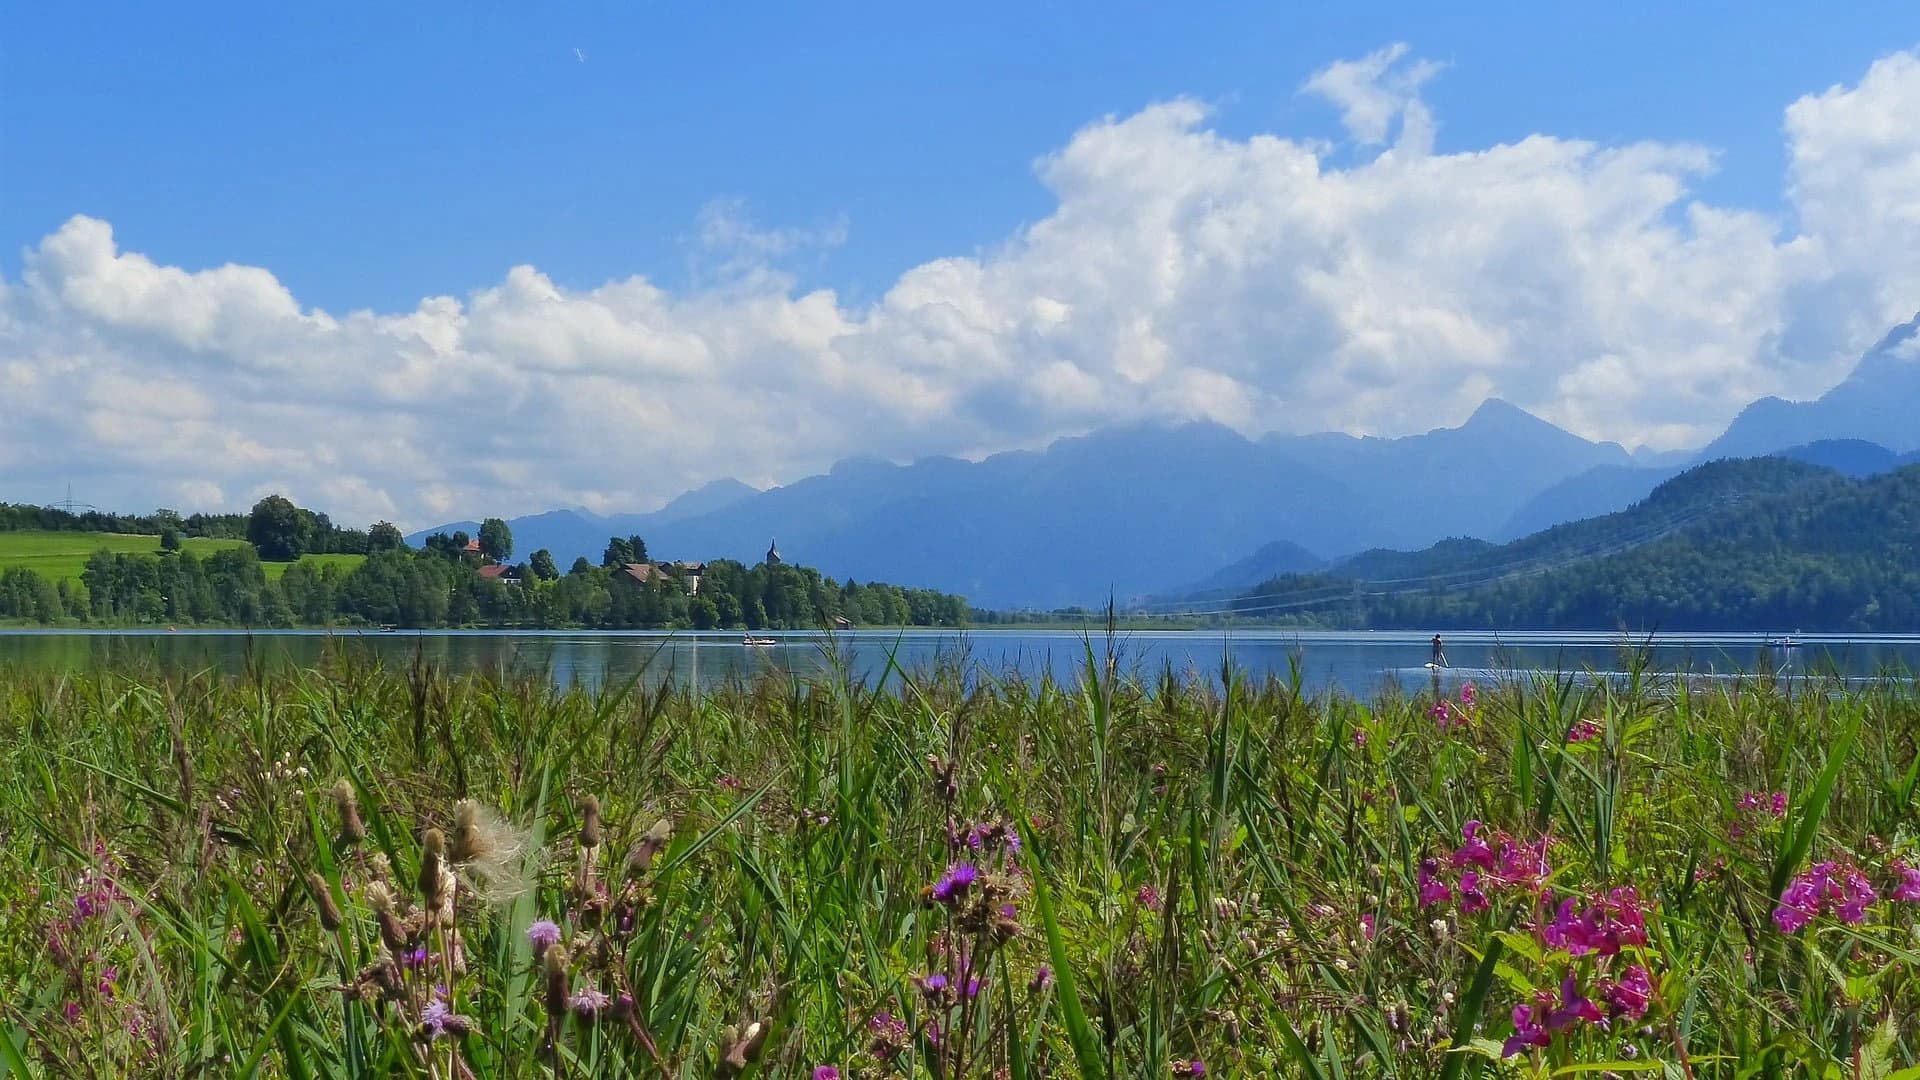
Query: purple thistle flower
point(435, 1016)
point(825, 1072)
point(544, 934)
point(588, 1002)
point(955, 882)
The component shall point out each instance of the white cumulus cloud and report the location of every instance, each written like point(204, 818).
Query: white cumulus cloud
point(1266, 282)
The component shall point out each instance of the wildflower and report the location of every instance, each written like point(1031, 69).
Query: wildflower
point(825, 1072)
point(1825, 888)
point(433, 1018)
point(731, 783)
point(933, 985)
point(1195, 1067)
point(955, 882)
point(889, 1036)
point(1473, 850)
point(1366, 925)
point(1469, 695)
point(1148, 897)
point(543, 934)
point(588, 1002)
point(1432, 889)
point(1908, 889)
point(1359, 737)
point(1584, 731)
point(1629, 996)
point(1472, 898)
point(1042, 978)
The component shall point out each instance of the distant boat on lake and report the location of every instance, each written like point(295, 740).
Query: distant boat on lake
point(758, 642)
point(1784, 641)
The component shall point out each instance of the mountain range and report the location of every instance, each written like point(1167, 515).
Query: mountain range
point(1197, 508)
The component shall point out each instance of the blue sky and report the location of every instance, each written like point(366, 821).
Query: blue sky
point(371, 155)
point(433, 261)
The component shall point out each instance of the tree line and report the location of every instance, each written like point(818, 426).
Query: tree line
point(443, 585)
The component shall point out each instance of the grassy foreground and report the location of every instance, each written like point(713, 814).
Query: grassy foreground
point(361, 872)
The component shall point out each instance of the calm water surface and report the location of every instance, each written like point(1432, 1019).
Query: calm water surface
point(1352, 662)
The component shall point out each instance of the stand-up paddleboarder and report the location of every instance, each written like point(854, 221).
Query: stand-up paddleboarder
point(1439, 654)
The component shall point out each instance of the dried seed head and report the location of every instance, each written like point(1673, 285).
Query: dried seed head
point(590, 833)
point(466, 830)
point(379, 896)
point(323, 900)
point(347, 805)
point(649, 847)
point(742, 1048)
point(433, 853)
point(559, 984)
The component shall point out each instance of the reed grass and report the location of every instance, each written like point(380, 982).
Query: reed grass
point(359, 871)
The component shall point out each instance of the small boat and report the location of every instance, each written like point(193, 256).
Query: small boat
point(758, 642)
point(1785, 641)
point(388, 628)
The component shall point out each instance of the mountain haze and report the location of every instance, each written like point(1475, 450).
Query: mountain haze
point(1122, 511)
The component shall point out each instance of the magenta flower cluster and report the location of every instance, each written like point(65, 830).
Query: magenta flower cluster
point(1449, 714)
point(1604, 926)
point(1774, 803)
point(1538, 1022)
point(1486, 865)
point(1838, 889)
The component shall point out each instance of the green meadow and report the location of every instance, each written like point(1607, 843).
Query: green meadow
point(58, 556)
point(354, 872)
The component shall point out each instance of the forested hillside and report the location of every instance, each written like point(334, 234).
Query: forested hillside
point(1744, 544)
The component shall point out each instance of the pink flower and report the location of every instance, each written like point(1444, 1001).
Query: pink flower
point(1366, 925)
point(1584, 731)
point(825, 1072)
point(1908, 890)
point(1629, 996)
point(1473, 851)
point(1432, 889)
point(1834, 888)
point(1472, 899)
point(1148, 897)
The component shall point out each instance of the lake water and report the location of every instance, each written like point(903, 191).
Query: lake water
point(1353, 662)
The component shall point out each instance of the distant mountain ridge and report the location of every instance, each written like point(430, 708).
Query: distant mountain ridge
point(1121, 511)
point(1877, 402)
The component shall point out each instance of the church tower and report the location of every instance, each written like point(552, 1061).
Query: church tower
point(773, 553)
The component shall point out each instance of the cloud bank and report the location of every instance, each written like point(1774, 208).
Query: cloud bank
point(1268, 283)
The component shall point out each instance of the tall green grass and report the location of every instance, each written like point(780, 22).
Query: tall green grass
point(1200, 870)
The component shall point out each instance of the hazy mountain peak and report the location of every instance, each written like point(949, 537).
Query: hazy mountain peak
point(1876, 402)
